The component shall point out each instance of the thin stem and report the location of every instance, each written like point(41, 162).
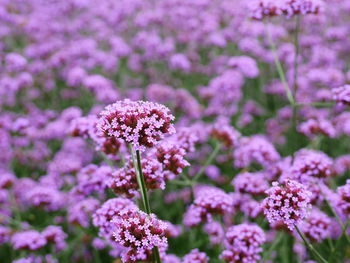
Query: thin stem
point(296, 64)
point(297, 52)
point(309, 246)
point(143, 190)
point(335, 248)
point(266, 254)
point(280, 68)
point(316, 104)
point(208, 162)
point(342, 226)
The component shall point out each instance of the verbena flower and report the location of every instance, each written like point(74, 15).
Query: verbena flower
point(56, 236)
point(28, 240)
point(251, 183)
point(255, 149)
point(317, 227)
point(123, 181)
point(139, 123)
point(342, 95)
point(79, 213)
point(310, 164)
point(171, 155)
point(139, 233)
point(243, 243)
point(208, 202)
point(343, 199)
point(287, 204)
point(195, 256)
point(103, 216)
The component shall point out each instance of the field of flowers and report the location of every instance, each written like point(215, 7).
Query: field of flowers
point(175, 131)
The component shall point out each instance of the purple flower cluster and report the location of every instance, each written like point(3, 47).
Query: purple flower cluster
point(342, 95)
point(29, 239)
point(195, 256)
point(89, 92)
point(103, 216)
point(251, 183)
point(209, 201)
point(171, 155)
point(243, 243)
point(317, 227)
point(287, 204)
point(123, 181)
point(140, 123)
point(289, 8)
point(254, 149)
point(310, 164)
point(139, 233)
point(343, 199)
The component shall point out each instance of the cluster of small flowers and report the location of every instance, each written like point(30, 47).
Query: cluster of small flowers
point(103, 216)
point(123, 181)
point(140, 123)
point(209, 201)
point(254, 149)
point(343, 199)
point(195, 256)
point(225, 134)
point(317, 227)
point(170, 154)
point(312, 128)
point(288, 204)
point(33, 240)
point(243, 243)
point(251, 183)
point(139, 233)
point(309, 165)
point(269, 8)
point(342, 95)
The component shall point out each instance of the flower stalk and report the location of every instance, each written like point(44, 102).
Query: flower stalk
point(143, 191)
point(309, 246)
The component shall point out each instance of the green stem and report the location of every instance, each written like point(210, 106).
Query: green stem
point(266, 254)
point(208, 162)
point(309, 246)
point(342, 226)
point(297, 51)
point(296, 64)
point(316, 104)
point(337, 244)
point(143, 190)
point(280, 68)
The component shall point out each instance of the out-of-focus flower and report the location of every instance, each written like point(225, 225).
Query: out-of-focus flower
point(317, 227)
point(29, 239)
point(243, 243)
point(209, 201)
point(342, 94)
point(195, 256)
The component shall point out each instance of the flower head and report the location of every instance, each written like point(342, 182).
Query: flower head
point(139, 233)
point(29, 240)
point(195, 256)
point(140, 123)
point(317, 227)
point(103, 217)
point(342, 95)
point(287, 204)
point(123, 181)
point(243, 243)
